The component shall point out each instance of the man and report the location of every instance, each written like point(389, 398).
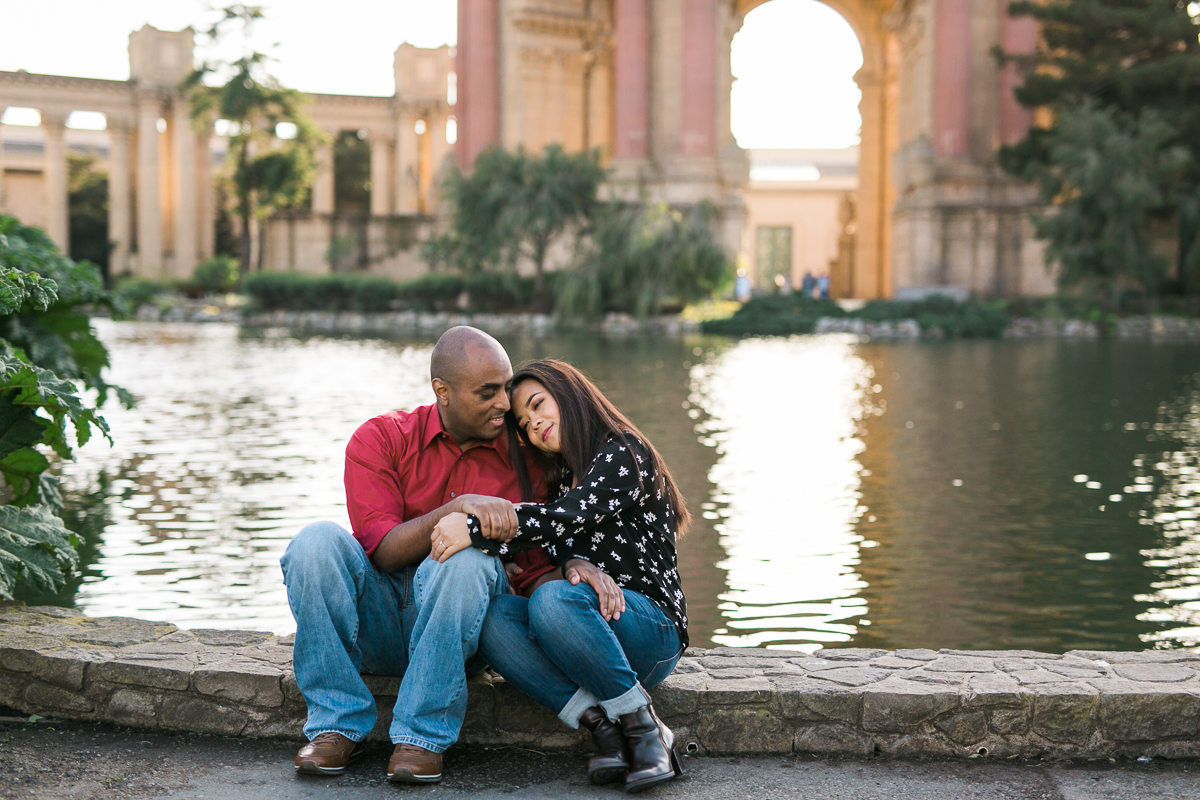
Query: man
point(371, 601)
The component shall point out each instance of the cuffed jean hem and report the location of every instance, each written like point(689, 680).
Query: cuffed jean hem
point(425, 743)
point(354, 737)
point(580, 702)
point(631, 701)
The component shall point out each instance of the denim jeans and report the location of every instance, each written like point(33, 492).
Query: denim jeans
point(421, 623)
point(556, 648)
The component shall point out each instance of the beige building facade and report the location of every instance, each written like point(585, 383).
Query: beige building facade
point(647, 83)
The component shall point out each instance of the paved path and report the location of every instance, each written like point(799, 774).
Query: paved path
point(56, 761)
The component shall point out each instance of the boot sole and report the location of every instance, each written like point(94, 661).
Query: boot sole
point(642, 785)
point(406, 776)
point(607, 775)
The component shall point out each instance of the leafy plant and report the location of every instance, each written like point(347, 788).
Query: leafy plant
point(513, 206)
point(217, 274)
point(47, 345)
point(268, 173)
point(641, 258)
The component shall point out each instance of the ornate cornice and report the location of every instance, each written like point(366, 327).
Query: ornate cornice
point(33, 79)
point(560, 24)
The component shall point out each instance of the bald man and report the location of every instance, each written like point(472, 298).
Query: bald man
point(372, 602)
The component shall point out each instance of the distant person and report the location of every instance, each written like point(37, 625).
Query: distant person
point(741, 286)
point(823, 286)
point(808, 284)
point(372, 601)
point(589, 647)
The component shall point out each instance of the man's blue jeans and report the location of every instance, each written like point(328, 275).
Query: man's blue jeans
point(422, 623)
point(556, 648)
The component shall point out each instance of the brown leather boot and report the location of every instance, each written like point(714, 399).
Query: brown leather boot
point(412, 764)
point(328, 754)
point(609, 763)
point(651, 746)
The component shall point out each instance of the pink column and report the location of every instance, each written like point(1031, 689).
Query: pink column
point(699, 77)
point(952, 78)
point(478, 68)
point(631, 99)
point(1018, 35)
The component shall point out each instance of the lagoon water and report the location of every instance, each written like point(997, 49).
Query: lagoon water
point(992, 494)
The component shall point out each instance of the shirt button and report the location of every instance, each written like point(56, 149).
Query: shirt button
point(452, 494)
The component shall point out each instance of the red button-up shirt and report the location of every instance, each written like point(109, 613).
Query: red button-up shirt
point(402, 465)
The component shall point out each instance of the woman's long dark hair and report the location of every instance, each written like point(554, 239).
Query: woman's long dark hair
point(586, 419)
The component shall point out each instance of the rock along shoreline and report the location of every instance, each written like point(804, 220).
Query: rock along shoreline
point(1155, 328)
point(1082, 704)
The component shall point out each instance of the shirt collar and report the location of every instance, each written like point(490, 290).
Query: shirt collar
point(432, 428)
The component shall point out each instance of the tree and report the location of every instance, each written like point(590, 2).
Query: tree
point(88, 203)
point(638, 257)
point(46, 346)
point(1121, 154)
point(268, 173)
point(513, 206)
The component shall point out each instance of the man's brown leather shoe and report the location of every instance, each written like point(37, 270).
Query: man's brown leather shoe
point(412, 764)
point(328, 754)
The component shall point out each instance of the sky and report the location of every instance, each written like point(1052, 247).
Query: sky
point(793, 59)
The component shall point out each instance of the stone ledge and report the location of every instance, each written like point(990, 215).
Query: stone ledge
point(848, 701)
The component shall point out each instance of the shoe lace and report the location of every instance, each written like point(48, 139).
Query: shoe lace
point(329, 737)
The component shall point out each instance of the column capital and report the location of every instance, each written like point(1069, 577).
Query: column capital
point(53, 119)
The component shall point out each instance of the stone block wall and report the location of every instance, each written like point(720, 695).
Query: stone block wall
point(153, 675)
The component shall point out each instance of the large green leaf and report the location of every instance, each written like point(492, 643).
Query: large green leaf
point(35, 547)
point(19, 426)
point(21, 470)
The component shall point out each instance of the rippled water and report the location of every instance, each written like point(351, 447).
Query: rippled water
point(971, 494)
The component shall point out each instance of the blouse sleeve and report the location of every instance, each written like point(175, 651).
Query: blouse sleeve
point(619, 478)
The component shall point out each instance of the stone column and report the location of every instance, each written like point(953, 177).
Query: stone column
point(952, 78)
point(206, 196)
point(407, 196)
point(631, 91)
point(381, 161)
point(119, 199)
point(185, 194)
point(149, 200)
point(54, 179)
point(699, 78)
point(477, 65)
point(322, 189)
point(1017, 36)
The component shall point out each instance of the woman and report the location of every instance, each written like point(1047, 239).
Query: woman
point(589, 646)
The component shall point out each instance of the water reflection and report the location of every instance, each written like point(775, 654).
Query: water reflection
point(952, 494)
point(784, 416)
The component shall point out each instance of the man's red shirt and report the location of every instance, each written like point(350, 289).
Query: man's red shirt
point(401, 465)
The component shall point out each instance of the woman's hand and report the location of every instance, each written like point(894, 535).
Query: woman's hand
point(449, 536)
point(612, 599)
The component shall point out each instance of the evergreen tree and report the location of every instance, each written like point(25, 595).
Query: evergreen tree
point(1121, 154)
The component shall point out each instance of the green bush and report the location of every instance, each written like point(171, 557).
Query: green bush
point(437, 291)
point(781, 315)
point(775, 315)
point(216, 275)
point(46, 345)
point(645, 260)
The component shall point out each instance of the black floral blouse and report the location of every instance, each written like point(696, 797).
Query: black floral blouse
point(617, 518)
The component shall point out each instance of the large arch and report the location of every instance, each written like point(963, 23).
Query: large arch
point(869, 273)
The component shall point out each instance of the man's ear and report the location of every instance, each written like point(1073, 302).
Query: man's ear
point(442, 390)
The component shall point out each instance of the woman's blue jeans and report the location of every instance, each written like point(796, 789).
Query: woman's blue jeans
point(422, 622)
point(556, 648)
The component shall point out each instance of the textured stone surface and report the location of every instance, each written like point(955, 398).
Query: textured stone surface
point(854, 701)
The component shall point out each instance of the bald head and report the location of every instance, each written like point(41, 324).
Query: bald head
point(462, 353)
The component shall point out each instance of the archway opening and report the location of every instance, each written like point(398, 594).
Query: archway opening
point(795, 108)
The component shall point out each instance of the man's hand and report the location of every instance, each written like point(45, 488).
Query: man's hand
point(497, 517)
point(449, 536)
point(612, 599)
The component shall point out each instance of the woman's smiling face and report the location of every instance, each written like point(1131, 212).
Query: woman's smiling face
point(537, 415)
